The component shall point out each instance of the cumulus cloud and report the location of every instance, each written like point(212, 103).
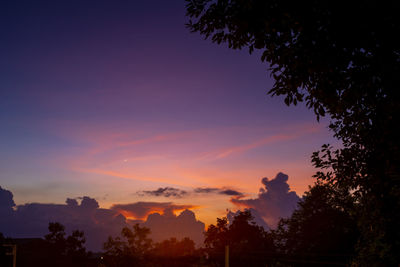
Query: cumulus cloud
point(167, 225)
point(163, 223)
point(274, 201)
point(6, 209)
point(214, 190)
point(164, 192)
point(6, 201)
point(32, 219)
point(71, 202)
point(139, 210)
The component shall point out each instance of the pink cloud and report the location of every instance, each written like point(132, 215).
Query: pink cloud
point(295, 132)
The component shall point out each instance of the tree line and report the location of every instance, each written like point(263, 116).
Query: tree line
point(321, 231)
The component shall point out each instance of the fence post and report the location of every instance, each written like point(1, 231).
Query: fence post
point(12, 253)
point(226, 256)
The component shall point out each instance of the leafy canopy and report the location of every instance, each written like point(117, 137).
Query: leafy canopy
point(342, 58)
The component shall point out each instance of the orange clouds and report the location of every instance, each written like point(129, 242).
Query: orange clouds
point(140, 210)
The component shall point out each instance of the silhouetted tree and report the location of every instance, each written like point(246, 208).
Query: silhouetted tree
point(216, 238)
point(56, 239)
point(75, 245)
point(320, 230)
point(56, 249)
point(172, 252)
point(65, 250)
point(249, 244)
point(343, 59)
point(172, 248)
point(129, 249)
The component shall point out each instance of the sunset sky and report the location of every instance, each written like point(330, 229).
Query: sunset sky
point(113, 99)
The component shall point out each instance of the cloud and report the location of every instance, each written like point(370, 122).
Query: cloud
point(178, 193)
point(71, 202)
point(139, 210)
point(274, 201)
point(164, 192)
point(214, 190)
point(243, 148)
point(230, 192)
point(7, 206)
point(122, 175)
point(32, 219)
point(163, 223)
point(6, 200)
point(83, 213)
point(206, 190)
point(261, 142)
point(167, 225)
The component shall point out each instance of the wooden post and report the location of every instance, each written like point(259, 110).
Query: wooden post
point(226, 256)
point(12, 253)
point(15, 256)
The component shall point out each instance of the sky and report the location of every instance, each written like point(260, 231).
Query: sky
point(117, 99)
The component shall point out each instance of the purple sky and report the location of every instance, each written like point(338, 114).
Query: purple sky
point(109, 98)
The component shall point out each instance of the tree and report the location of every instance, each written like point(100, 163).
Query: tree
point(132, 247)
point(174, 253)
point(56, 238)
point(172, 248)
point(75, 245)
point(249, 244)
point(319, 230)
point(216, 237)
point(65, 250)
point(342, 58)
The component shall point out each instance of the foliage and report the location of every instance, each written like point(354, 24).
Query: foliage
point(134, 247)
point(249, 244)
point(172, 248)
point(69, 249)
point(216, 236)
point(56, 249)
point(131, 248)
point(56, 238)
point(342, 58)
point(173, 252)
point(320, 230)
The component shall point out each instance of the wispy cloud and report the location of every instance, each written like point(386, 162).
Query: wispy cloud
point(180, 158)
point(164, 192)
point(240, 149)
point(179, 193)
point(214, 190)
point(262, 142)
point(124, 175)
